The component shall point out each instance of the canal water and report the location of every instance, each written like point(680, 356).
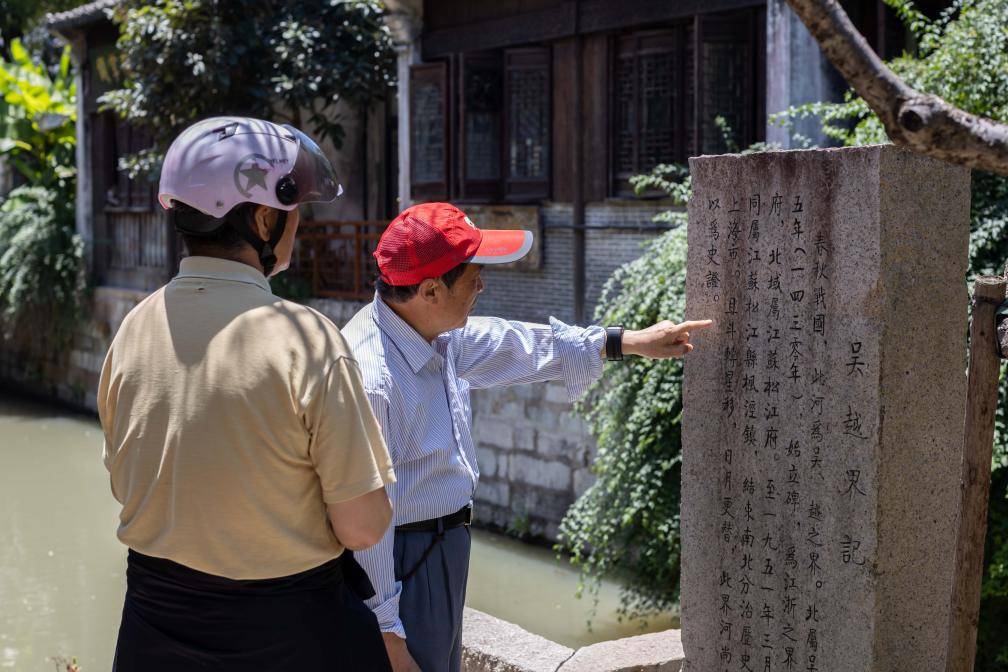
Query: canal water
point(61, 567)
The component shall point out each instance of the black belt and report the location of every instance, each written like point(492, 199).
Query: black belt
point(461, 517)
point(438, 526)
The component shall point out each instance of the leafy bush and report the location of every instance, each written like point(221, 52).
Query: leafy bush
point(41, 258)
point(629, 519)
point(38, 115)
point(41, 269)
point(185, 60)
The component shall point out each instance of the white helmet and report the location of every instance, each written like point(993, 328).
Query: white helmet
point(217, 163)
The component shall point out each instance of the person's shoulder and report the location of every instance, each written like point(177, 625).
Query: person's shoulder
point(361, 326)
point(313, 328)
point(366, 346)
point(138, 315)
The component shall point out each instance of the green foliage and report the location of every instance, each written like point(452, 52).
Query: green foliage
point(189, 59)
point(962, 57)
point(41, 258)
point(38, 116)
point(41, 269)
point(18, 18)
point(520, 526)
point(629, 519)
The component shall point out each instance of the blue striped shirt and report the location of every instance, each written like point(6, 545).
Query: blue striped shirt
point(420, 394)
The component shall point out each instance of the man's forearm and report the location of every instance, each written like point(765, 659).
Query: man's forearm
point(659, 341)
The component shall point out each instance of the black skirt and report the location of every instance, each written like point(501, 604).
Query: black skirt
point(177, 619)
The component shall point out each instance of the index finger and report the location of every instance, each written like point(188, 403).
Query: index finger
point(695, 324)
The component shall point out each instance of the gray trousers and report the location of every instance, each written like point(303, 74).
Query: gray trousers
point(431, 602)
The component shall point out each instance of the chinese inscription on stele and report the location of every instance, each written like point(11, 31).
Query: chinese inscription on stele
point(784, 404)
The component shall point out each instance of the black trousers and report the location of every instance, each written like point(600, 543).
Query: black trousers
point(176, 619)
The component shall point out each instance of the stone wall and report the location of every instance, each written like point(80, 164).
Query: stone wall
point(534, 457)
point(72, 375)
point(492, 645)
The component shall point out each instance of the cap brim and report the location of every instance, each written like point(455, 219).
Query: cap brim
point(502, 246)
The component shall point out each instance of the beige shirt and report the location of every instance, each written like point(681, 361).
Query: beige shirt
point(231, 417)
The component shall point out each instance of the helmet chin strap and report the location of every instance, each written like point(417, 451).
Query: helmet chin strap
point(265, 249)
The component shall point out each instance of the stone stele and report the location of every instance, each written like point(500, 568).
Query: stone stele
point(823, 417)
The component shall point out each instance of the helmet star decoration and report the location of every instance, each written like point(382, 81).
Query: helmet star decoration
point(251, 172)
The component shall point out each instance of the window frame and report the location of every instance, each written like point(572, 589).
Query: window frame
point(679, 34)
point(689, 37)
point(518, 59)
point(436, 72)
point(456, 186)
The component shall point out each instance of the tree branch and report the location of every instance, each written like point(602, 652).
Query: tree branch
point(919, 121)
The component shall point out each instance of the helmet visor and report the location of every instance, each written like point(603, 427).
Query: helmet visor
point(313, 175)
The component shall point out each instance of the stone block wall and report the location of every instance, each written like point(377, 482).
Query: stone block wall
point(72, 375)
point(534, 457)
point(534, 295)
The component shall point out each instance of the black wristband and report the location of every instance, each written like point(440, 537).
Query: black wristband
point(614, 343)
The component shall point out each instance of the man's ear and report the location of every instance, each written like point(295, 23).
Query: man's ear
point(430, 290)
point(263, 220)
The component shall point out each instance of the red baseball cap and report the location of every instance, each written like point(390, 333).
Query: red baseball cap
point(430, 239)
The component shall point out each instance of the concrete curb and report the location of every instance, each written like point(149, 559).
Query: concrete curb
point(492, 645)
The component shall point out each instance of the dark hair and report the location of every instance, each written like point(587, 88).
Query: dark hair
point(401, 294)
point(226, 238)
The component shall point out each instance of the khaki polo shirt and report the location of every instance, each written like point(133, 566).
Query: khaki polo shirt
point(231, 418)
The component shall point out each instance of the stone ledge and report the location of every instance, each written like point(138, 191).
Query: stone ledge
point(655, 652)
point(490, 644)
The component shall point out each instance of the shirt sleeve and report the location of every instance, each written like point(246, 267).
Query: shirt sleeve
point(346, 444)
point(492, 352)
point(379, 560)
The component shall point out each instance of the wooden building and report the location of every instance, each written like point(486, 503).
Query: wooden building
point(555, 104)
point(529, 113)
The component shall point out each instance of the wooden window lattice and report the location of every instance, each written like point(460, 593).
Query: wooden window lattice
point(528, 127)
point(529, 122)
point(429, 130)
point(481, 105)
point(650, 100)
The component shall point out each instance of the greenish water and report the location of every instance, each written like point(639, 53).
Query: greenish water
point(62, 569)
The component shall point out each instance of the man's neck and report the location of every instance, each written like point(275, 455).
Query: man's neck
point(416, 317)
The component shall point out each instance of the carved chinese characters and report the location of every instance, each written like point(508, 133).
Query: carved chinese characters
point(788, 400)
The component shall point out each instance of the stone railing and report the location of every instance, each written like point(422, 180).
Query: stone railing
point(492, 645)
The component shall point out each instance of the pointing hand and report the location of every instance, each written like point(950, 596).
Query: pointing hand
point(663, 340)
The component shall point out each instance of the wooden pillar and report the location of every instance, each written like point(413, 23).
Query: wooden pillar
point(978, 438)
point(578, 204)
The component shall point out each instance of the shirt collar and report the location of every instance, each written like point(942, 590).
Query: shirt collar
point(412, 345)
point(215, 268)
